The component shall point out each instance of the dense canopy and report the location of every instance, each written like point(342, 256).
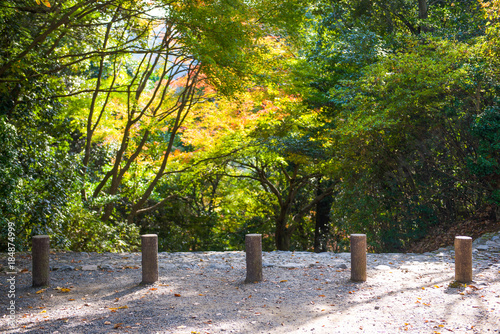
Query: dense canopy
point(202, 121)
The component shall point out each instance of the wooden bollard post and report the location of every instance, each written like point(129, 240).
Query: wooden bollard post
point(40, 249)
point(463, 259)
point(149, 246)
point(358, 257)
point(253, 249)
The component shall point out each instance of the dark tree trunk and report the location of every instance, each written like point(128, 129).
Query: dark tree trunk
point(423, 8)
point(282, 236)
point(322, 222)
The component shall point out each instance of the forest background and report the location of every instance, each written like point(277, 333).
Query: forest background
point(205, 120)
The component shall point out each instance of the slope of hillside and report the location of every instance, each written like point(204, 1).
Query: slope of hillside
point(443, 236)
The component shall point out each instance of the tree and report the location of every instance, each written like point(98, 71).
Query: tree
point(402, 153)
point(126, 74)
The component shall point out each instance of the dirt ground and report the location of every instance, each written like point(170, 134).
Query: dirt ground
point(405, 296)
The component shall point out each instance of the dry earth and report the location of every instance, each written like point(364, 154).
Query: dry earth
point(308, 293)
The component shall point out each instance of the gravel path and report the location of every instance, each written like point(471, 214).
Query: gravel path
point(301, 293)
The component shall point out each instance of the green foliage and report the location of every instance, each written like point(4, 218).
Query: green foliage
point(486, 163)
point(82, 230)
point(398, 112)
point(391, 103)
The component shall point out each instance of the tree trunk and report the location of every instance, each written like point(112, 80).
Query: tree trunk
point(282, 233)
point(323, 208)
point(423, 8)
point(282, 237)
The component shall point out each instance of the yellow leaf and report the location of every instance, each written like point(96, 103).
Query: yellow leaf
point(283, 281)
point(436, 286)
point(71, 299)
point(46, 3)
point(44, 311)
point(114, 309)
point(37, 2)
point(41, 291)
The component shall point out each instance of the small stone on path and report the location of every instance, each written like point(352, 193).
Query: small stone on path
point(90, 267)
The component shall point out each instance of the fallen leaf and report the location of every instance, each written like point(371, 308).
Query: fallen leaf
point(107, 323)
point(283, 281)
point(118, 325)
point(41, 291)
point(177, 295)
point(114, 309)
